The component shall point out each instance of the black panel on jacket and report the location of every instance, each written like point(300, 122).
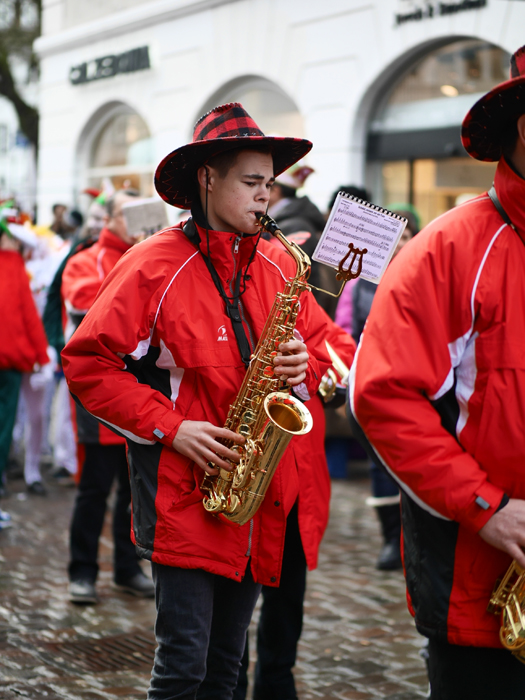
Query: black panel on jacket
point(144, 459)
point(143, 463)
point(429, 546)
point(147, 372)
point(429, 543)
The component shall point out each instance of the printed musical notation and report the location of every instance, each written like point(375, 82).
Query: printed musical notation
point(366, 226)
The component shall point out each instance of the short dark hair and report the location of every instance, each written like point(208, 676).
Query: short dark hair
point(287, 191)
point(55, 207)
point(223, 162)
point(353, 190)
point(110, 204)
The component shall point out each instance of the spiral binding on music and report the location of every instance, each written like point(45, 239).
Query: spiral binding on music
point(374, 207)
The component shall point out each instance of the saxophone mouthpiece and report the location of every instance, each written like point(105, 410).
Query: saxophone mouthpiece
point(267, 223)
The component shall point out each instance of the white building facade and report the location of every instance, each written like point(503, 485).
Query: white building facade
point(380, 88)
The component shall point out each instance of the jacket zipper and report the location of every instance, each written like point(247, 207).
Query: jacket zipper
point(249, 551)
point(235, 250)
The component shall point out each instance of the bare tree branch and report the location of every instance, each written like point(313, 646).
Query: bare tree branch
point(16, 41)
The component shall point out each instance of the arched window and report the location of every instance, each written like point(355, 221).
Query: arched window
point(121, 151)
point(414, 150)
point(271, 108)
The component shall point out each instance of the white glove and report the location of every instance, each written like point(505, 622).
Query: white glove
point(44, 375)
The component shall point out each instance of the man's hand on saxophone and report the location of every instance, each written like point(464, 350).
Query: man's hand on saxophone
point(506, 530)
point(198, 440)
point(291, 362)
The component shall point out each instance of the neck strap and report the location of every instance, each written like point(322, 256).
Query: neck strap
point(232, 305)
point(495, 201)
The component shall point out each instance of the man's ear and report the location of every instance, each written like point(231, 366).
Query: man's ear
point(205, 177)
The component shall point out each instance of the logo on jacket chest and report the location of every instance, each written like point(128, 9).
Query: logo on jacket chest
point(222, 334)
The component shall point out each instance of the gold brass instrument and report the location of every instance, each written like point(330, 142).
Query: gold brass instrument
point(329, 381)
point(508, 599)
point(263, 412)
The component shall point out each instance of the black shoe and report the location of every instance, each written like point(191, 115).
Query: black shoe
point(82, 592)
point(138, 584)
point(37, 488)
point(390, 557)
point(62, 477)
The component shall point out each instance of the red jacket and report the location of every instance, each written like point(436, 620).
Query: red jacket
point(157, 348)
point(438, 387)
point(23, 340)
point(81, 280)
point(314, 478)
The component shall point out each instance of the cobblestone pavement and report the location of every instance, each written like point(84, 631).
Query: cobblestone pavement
point(358, 641)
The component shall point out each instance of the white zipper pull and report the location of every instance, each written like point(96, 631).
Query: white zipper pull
point(236, 246)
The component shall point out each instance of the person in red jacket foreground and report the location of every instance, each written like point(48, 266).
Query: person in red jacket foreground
point(281, 619)
point(438, 389)
point(23, 342)
point(160, 357)
point(102, 451)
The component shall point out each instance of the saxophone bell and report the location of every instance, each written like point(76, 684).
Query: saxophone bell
point(508, 600)
point(264, 413)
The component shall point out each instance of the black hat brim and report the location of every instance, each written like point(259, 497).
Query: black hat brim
point(175, 177)
point(488, 122)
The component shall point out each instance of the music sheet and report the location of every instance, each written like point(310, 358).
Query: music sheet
point(367, 226)
point(145, 217)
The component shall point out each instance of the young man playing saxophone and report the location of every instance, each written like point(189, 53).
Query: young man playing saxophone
point(161, 356)
point(438, 388)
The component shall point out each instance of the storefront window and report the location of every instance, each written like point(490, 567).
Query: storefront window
point(122, 152)
point(434, 186)
point(414, 149)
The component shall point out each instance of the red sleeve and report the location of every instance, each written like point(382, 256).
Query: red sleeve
point(312, 329)
point(118, 321)
point(80, 282)
point(342, 344)
point(421, 315)
point(32, 321)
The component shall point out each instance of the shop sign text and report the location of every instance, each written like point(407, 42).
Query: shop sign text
point(429, 10)
point(108, 66)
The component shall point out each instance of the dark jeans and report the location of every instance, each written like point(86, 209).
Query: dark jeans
point(474, 673)
point(381, 482)
point(102, 464)
point(280, 625)
point(10, 381)
point(201, 628)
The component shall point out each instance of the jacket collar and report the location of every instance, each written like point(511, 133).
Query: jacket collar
point(108, 239)
point(510, 188)
point(228, 252)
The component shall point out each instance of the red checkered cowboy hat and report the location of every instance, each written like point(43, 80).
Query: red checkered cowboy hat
point(222, 129)
point(490, 118)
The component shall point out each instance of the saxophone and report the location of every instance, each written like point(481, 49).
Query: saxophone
point(264, 412)
point(508, 599)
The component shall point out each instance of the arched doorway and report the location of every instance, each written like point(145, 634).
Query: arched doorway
point(273, 110)
point(115, 150)
point(414, 152)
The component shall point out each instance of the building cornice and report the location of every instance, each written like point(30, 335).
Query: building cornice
point(124, 22)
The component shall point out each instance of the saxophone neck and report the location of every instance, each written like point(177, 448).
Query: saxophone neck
point(302, 260)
